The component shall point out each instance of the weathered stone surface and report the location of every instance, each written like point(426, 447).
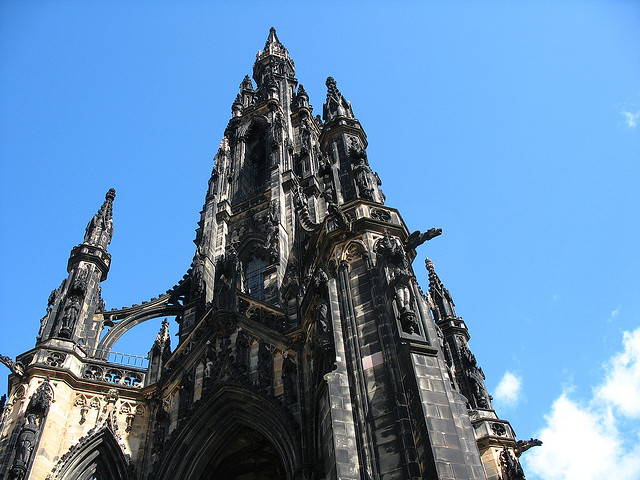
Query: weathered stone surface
point(306, 349)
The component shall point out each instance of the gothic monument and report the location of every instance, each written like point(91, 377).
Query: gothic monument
point(306, 349)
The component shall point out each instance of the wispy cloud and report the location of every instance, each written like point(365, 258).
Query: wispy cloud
point(508, 392)
point(614, 314)
point(599, 438)
point(630, 119)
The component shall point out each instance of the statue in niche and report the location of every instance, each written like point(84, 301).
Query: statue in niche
point(70, 316)
point(162, 423)
point(242, 350)
point(400, 281)
point(264, 366)
point(186, 393)
point(325, 337)
point(81, 281)
point(24, 446)
point(289, 372)
point(474, 375)
point(362, 172)
point(272, 231)
point(226, 273)
point(197, 277)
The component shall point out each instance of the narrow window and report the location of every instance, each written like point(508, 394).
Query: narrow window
point(254, 277)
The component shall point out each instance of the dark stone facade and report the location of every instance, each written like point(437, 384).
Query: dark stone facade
point(306, 349)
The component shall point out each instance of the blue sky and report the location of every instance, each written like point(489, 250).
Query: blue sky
point(510, 125)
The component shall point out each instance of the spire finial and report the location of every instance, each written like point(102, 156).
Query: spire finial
point(273, 46)
point(429, 264)
point(101, 222)
point(336, 105)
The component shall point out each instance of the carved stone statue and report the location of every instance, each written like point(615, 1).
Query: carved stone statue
point(70, 316)
point(289, 372)
point(26, 440)
point(264, 366)
point(226, 273)
point(242, 351)
point(474, 376)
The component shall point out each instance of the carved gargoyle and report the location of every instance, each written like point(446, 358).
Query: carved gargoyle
point(524, 445)
point(417, 238)
point(16, 367)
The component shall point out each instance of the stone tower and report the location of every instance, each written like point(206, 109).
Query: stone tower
point(306, 348)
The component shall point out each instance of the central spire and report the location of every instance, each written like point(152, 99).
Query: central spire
point(274, 60)
point(273, 46)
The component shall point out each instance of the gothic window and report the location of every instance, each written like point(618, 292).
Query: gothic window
point(254, 277)
point(253, 176)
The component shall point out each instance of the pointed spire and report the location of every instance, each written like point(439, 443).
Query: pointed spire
point(274, 59)
point(246, 84)
point(236, 107)
point(336, 105)
point(443, 302)
point(302, 99)
point(163, 339)
point(102, 222)
point(273, 46)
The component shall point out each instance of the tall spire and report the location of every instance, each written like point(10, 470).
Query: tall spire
point(100, 229)
point(440, 296)
point(273, 60)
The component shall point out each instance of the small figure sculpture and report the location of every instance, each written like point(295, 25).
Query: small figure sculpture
point(71, 314)
point(26, 439)
point(289, 371)
point(24, 447)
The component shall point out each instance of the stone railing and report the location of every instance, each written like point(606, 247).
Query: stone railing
point(116, 372)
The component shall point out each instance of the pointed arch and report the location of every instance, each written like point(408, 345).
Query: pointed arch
point(200, 443)
point(97, 456)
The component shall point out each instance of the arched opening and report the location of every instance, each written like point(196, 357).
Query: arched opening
point(245, 455)
point(253, 175)
point(235, 432)
point(99, 458)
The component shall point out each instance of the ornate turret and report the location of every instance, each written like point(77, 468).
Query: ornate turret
point(71, 307)
point(345, 142)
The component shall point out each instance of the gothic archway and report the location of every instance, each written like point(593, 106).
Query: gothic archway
point(245, 455)
point(234, 420)
point(96, 457)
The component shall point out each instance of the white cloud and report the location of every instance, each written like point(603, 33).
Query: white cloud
point(630, 118)
point(508, 391)
point(599, 439)
point(614, 314)
point(622, 386)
